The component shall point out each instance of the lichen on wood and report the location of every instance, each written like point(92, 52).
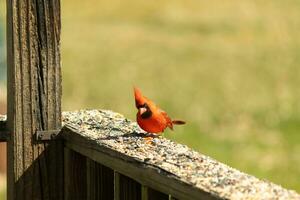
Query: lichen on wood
point(106, 129)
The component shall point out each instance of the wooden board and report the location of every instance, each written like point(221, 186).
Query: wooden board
point(162, 166)
point(126, 188)
point(147, 175)
point(151, 194)
point(75, 175)
point(100, 181)
point(35, 171)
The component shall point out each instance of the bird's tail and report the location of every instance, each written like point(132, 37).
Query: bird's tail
point(178, 122)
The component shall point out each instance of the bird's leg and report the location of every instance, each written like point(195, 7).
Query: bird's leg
point(150, 137)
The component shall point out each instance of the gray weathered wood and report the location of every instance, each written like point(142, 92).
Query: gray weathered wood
point(35, 171)
point(151, 194)
point(126, 188)
point(144, 192)
point(134, 169)
point(110, 139)
point(117, 186)
point(100, 181)
point(129, 188)
point(75, 175)
point(47, 135)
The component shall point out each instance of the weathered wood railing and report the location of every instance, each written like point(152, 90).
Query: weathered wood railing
point(107, 157)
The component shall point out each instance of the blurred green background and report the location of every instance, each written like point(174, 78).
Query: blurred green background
point(229, 68)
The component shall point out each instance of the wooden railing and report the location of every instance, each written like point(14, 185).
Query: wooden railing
point(107, 157)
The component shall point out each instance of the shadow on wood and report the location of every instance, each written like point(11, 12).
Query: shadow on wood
point(36, 181)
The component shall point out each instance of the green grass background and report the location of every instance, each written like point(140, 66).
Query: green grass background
point(229, 68)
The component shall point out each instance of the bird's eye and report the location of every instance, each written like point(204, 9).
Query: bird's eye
point(143, 106)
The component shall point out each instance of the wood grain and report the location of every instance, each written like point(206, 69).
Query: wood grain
point(129, 188)
point(117, 193)
point(134, 170)
point(100, 181)
point(151, 194)
point(75, 175)
point(34, 98)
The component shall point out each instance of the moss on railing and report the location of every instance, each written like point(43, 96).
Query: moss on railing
point(174, 169)
point(101, 128)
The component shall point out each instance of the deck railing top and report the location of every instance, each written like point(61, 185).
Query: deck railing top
point(118, 143)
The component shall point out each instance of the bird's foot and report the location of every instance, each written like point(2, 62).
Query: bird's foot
point(150, 136)
point(148, 139)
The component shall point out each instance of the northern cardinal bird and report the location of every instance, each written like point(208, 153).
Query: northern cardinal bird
point(151, 118)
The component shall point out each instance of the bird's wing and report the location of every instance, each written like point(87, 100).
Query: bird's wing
point(168, 119)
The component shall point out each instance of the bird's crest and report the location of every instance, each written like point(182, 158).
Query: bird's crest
point(139, 98)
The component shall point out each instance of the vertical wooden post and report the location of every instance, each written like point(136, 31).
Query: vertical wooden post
point(100, 181)
point(75, 175)
point(35, 171)
point(126, 188)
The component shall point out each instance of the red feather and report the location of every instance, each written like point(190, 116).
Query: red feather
point(150, 117)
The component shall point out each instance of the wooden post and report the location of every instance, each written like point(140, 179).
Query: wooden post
point(35, 171)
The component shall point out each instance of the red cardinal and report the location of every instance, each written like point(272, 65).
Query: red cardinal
point(151, 118)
